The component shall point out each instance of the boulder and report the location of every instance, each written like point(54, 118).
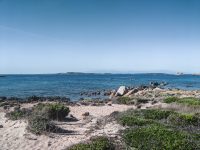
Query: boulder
point(1, 126)
point(131, 92)
point(121, 91)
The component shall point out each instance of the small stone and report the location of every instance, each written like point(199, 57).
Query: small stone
point(109, 103)
point(154, 102)
point(1, 126)
point(139, 106)
point(86, 114)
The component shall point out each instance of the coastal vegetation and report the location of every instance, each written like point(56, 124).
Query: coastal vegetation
point(159, 129)
point(159, 137)
point(125, 100)
point(191, 101)
point(51, 111)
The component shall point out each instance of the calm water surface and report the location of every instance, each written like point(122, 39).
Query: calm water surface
point(71, 85)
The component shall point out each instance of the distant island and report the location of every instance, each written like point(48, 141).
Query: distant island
point(81, 73)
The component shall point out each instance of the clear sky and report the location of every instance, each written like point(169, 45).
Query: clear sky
point(49, 36)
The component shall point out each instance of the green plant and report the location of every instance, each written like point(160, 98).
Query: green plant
point(157, 137)
point(98, 143)
point(156, 114)
point(190, 101)
point(142, 117)
point(55, 111)
point(184, 119)
point(40, 124)
point(141, 101)
point(187, 101)
point(125, 100)
point(171, 99)
point(133, 120)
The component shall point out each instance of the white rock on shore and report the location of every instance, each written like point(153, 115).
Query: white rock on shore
point(121, 91)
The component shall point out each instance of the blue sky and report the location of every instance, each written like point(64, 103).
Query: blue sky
point(49, 36)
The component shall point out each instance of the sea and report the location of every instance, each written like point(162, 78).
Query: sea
point(71, 85)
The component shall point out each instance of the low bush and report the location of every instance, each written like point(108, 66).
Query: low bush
point(171, 99)
point(133, 120)
point(125, 100)
point(157, 137)
point(142, 117)
point(98, 143)
point(190, 101)
point(187, 100)
point(55, 111)
point(156, 114)
point(184, 119)
point(141, 101)
point(40, 124)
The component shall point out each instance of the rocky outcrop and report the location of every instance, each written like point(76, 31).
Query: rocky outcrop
point(131, 92)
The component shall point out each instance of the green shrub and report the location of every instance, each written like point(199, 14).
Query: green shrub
point(190, 101)
point(99, 143)
point(40, 124)
point(187, 100)
point(156, 114)
point(40, 119)
point(133, 120)
point(142, 117)
point(142, 101)
point(52, 111)
point(171, 99)
point(156, 137)
point(184, 119)
point(125, 100)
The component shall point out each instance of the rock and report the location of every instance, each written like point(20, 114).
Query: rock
point(107, 93)
point(1, 126)
point(131, 92)
point(139, 106)
point(121, 91)
point(112, 94)
point(154, 84)
point(86, 114)
point(6, 107)
point(109, 103)
point(2, 98)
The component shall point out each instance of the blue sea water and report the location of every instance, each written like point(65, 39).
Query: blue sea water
point(71, 85)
